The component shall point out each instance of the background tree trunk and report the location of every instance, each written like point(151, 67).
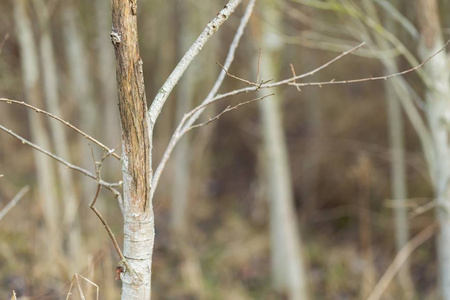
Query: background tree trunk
point(437, 111)
point(288, 269)
point(45, 168)
point(186, 15)
point(69, 203)
point(80, 91)
point(395, 88)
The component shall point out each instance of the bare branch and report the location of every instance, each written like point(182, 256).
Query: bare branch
point(176, 74)
point(370, 78)
point(423, 209)
point(108, 229)
point(188, 122)
point(59, 159)
point(80, 290)
point(291, 80)
point(293, 75)
point(14, 201)
point(258, 65)
point(76, 129)
point(239, 78)
point(229, 108)
point(400, 259)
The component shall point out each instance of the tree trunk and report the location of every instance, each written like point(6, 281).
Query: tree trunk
point(313, 154)
point(190, 269)
point(437, 96)
point(288, 268)
point(70, 203)
point(136, 153)
point(80, 91)
point(45, 172)
point(181, 182)
point(395, 89)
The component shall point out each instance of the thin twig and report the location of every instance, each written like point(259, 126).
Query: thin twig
point(400, 259)
point(14, 201)
point(423, 209)
point(386, 77)
point(186, 123)
point(108, 229)
point(290, 81)
point(258, 65)
point(98, 167)
point(59, 159)
point(76, 129)
point(229, 108)
point(238, 78)
point(293, 75)
point(80, 290)
point(177, 73)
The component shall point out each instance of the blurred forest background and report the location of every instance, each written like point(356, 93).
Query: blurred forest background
point(217, 244)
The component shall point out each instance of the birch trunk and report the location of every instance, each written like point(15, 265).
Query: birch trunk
point(287, 258)
point(190, 269)
point(314, 152)
point(44, 165)
point(438, 112)
point(60, 142)
point(395, 89)
point(81, 90)
point(181, 182)
point(136, 153)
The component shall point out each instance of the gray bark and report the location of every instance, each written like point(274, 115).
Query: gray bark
point(44, 165)
point(81, 91)
point(394, 90)
point(438, 112)
point(288, 267)
point(60, 142)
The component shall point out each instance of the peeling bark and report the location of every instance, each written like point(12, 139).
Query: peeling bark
point(136, 153)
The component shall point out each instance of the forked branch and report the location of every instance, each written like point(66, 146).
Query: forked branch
point(186, 60)
point(109, 186)
point(74, 128)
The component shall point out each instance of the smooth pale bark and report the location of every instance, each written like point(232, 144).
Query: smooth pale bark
point(138, 215)
point(180, 189)
point(398, 180)
point(311, 169)
point(361, 174)
point(60, 142)
point(438, 112)
point(288, 268)
point(186, 15)
point(80, 90)
point(45, 171)
point(397, 149)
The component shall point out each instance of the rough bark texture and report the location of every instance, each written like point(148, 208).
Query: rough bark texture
point(438, 109)
point(136, 153)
